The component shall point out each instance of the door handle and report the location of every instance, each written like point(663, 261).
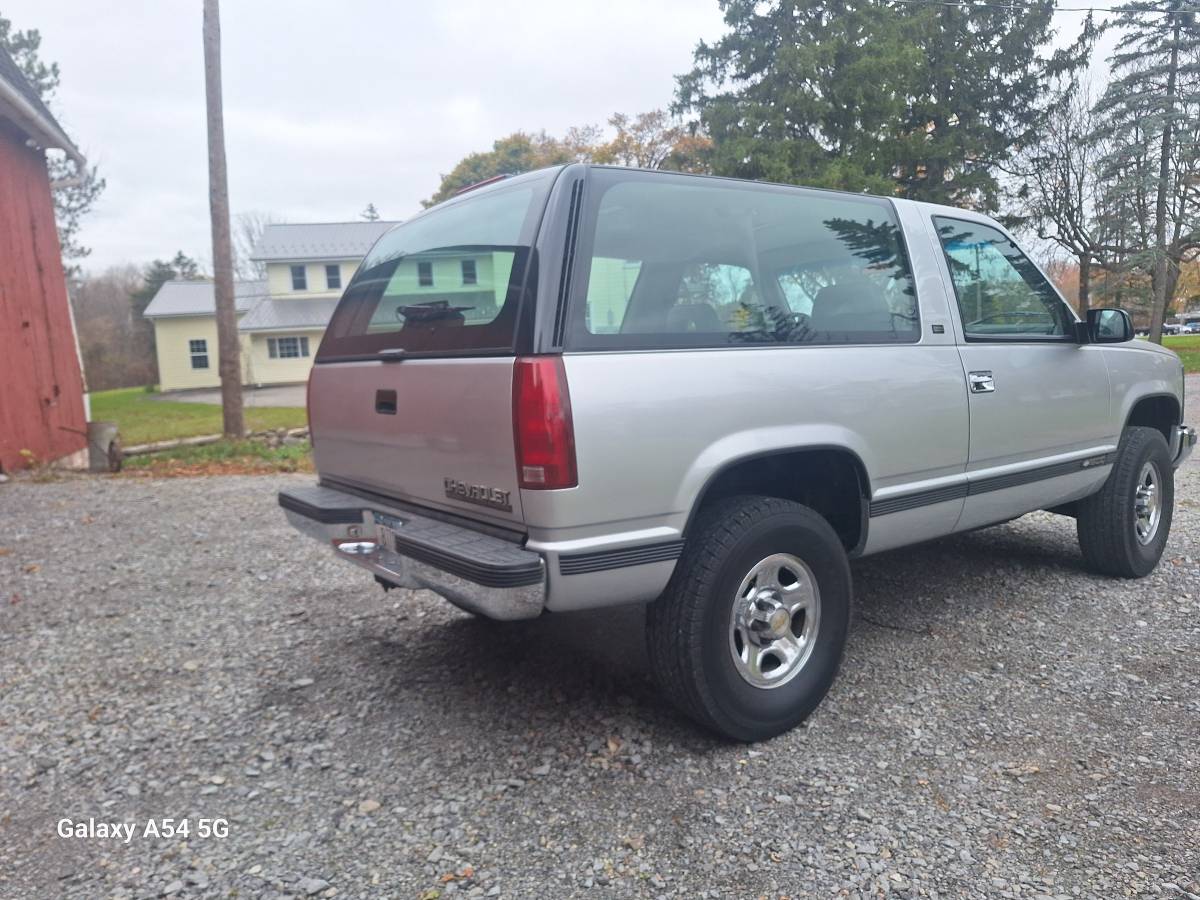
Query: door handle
point(385, 402)
point(981, 382)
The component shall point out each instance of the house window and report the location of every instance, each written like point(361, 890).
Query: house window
point(287, 347)
point(299, 279)
point(468, 272)
point(333, 277)
point(425, 274)
point(199, 353)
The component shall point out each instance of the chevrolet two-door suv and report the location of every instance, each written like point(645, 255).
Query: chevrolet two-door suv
point(591, 386)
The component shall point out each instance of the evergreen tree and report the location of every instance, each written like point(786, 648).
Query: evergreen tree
point(1150, 113)
point(919, 100)
point(74, 191)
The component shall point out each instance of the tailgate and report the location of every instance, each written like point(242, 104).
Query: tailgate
point(437, 432)
point(411, 392)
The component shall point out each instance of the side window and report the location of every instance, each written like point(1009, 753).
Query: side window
point(678, 262)
point(198, 350)
point(1001, 294)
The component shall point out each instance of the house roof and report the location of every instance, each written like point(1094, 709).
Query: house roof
point(21, 104)
point(313, 241)
point(199, 298)
point(289, 314)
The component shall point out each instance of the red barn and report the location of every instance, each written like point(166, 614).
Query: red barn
point(42, 414)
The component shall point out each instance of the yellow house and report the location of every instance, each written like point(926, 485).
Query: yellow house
point(280, 320)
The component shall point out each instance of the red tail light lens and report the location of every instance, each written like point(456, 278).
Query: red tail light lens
point(545, 436)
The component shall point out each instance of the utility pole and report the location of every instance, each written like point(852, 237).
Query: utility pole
point(228, 350)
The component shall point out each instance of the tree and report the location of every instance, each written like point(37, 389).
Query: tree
point(652, 141)
point(648, 140)
point(117, 349)
point(248, 228)
point(516, 153)
point(74, 191)
point(1150, 112)
point(1063, 190)
point(371, 214)
point(920, 100)
point(156, 274)
point(228, 345)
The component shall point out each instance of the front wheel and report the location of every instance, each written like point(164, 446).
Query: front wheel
point(1123, 527)
point(749, 634)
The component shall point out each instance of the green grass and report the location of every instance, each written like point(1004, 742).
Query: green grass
point(142, 418)
point(223, 458)
point(1188, 348)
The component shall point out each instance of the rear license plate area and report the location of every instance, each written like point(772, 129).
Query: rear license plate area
point(386, 527)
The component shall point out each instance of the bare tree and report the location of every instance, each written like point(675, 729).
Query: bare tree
point(117, 350)
point(1063, 187)
point(228, 350)
point(248, 228)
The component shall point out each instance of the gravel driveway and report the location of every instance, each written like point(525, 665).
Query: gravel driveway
point(1005, 725)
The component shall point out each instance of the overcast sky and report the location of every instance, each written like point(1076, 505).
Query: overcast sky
point(329, 106)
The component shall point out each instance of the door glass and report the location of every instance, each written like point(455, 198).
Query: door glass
point(689, 262)
point(1000, 292)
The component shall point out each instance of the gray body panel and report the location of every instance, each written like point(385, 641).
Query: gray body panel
point(652, 428)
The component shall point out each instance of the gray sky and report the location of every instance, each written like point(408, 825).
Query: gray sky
point(331, 106)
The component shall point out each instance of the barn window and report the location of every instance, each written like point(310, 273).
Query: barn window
point(199, 351)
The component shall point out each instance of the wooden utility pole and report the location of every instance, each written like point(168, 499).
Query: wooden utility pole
point(228, 350)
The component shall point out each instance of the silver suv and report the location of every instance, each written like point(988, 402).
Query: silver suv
point(592, 386)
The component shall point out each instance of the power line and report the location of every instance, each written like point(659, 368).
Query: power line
point(966, 4)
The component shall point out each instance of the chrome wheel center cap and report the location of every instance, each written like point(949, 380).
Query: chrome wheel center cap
point(766, 619)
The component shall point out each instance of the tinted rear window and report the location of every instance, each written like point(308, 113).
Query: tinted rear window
point(672, 261)
point(449, 281)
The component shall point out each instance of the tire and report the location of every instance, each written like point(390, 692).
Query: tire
point(1111, 535)
point(700, 646)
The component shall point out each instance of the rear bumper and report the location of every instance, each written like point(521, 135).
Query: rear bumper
point(477, 572)
point(1183, 441)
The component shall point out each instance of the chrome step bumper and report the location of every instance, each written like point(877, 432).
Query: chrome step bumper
point(476, 572)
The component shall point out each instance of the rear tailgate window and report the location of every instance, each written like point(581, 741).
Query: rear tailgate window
point(449, 282)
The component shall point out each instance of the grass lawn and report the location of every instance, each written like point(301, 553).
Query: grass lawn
point(142, 418)
point(1188, 348)
point(222, 458)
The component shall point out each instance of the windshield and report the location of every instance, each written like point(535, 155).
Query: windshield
point(451, 280)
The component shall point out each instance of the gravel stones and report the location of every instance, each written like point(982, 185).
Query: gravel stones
point(1004, 725)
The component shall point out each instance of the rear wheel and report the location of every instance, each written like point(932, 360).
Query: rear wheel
point(749, 634)
point(1123, 528)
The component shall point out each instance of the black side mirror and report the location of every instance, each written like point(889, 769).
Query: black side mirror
point(1109, 326)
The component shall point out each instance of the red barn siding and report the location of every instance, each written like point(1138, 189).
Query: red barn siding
point(41, 388)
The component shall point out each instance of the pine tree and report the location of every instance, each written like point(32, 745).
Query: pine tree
point(74, 191)
point(1151, 114)
point(924, 101)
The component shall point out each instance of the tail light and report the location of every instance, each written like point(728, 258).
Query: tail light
point(542, 428)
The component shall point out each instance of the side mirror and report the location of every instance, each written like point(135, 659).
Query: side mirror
point(1109, 326)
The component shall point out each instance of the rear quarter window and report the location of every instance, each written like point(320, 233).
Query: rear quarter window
point(673, 261)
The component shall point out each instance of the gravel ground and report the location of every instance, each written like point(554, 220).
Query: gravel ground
point(1005, 725)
